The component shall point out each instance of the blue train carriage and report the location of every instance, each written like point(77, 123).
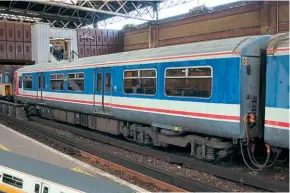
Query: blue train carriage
point(195, 94)
point(20, 174)
point(277, 92)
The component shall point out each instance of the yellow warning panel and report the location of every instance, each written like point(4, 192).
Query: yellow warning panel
point(3, 147)
point(80, 171)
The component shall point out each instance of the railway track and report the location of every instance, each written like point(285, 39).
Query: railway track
point(160, 178)
point(219, 171)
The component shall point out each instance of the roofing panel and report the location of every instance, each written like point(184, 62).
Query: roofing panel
point(279, 41)
point(213, 46)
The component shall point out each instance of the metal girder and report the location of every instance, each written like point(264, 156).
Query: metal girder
point(89, 6)
point(146, 12)
point(35, 14)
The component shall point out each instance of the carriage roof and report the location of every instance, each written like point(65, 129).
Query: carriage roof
point(279, 42)
point(213, 46)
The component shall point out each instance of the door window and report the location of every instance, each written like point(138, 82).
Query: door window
point(36, 188)
point(99, 82)
point(108, 82)
point(45, 189)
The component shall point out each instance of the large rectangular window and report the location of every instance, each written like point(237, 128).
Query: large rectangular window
point(76, 81)
point(27, 82)
point(56, 81)
point(189, 82)
point(11, 180)
point(140, 82)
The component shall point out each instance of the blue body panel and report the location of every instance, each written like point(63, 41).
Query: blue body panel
point(277, 92)
point(230, 87)
point(225, 90)
point(226, 80)
point(277, 96)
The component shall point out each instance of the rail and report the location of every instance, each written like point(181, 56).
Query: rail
point(159, 175)
point(219, 171)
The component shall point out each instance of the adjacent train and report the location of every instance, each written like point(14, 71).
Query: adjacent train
point(20, 174)
point(212, 96)
point(6, 80)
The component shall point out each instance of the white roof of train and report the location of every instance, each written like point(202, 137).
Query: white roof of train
point(222, 45)
point(60, 175)
point(279, 41)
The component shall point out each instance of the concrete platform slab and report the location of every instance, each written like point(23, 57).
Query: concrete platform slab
point(16, 142)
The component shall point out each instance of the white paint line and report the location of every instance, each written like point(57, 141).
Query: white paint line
point(84, 165)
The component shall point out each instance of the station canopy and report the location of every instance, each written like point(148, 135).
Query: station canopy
point(74, 13)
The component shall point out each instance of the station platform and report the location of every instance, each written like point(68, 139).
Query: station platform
point(18, 143)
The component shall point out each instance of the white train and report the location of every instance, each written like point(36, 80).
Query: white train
point(19, 174)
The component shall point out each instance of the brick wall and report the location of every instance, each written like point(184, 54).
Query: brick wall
point(231, 20)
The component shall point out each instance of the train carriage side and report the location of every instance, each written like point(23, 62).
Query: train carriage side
point(175, 95)
point(277, 92)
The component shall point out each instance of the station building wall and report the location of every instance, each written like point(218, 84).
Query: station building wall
point(230, 20)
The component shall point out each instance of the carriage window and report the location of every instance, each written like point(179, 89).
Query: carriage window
point(76, 82)
point(27, 82)
point(36, 188)
point(189, 82)
point(45, 189)
point(20, 82)
point(56, 81)
point(140, 82)
point(41, 82)
point(108, 82)
point(8, 179)
point(99, 82)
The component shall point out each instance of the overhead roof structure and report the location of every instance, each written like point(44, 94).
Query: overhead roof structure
point(73, 13)
point(79, 13)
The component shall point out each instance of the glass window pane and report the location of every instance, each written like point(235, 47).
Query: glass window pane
point(108, 82)
point(80, 75)
point(19, 82)
point(175, 72)
point(99, 82)
point(36, 188)
point(75, 85)
point(8, 179)
point(199, 72)
point(188, 87)
point(71, 76)
point(60, 76)
point(56, 84)
point(129, 74)
point(147, 73)
point(45, 189)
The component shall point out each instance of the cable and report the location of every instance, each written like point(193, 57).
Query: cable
point(242, 151)
point(252, 159)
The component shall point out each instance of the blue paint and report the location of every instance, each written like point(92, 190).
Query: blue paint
point(225, 85)
point(277, 82)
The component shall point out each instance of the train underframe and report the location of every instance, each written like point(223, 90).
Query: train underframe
point(202, 147)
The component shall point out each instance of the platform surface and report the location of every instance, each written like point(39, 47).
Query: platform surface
point(15, 142)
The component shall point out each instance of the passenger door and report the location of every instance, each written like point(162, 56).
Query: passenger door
point(103, 90)
point(40, 85)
